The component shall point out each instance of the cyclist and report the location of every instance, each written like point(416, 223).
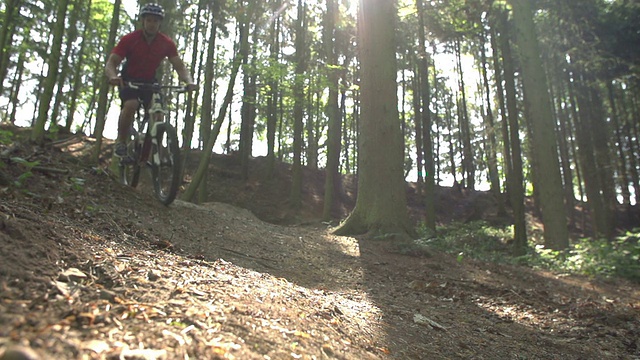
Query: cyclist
point(143, 51)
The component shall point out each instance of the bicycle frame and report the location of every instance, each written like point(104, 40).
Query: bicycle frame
point(155, 112)
point(154, 144)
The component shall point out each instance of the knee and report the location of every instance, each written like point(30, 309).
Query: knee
point(130, 106)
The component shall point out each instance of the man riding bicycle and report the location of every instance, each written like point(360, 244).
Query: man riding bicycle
point(143, 50)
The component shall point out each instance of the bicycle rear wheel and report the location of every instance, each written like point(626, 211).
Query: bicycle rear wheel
point(129, 165)
point(165, 163)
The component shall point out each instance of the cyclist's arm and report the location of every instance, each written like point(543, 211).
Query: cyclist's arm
point(111, 69)
point(181, 69)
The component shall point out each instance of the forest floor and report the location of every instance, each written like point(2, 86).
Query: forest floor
point(91, 269)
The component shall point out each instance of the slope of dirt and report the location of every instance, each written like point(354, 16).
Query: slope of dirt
point(90, 269)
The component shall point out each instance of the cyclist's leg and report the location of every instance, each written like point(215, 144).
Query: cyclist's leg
point(127, 115)
point(130, 105)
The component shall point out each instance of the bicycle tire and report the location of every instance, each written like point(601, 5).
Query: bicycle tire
point(129, 165)
point(165, 163)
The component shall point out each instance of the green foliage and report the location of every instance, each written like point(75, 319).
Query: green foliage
point(5, 137)
point(595, 257)
point(77, 184)
point(592, 257)
point(474, 240)
point(27, 174)
point(54, 131)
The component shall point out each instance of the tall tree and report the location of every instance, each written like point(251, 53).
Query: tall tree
point(12, 7)
point(295, 196)
point(273, 84)
point(65, 66)
point(78, 74)
point(248, 109)
point(208, 106)
point(605, 167)
point(563, 144)
point(189, 121)
point(212, 133)
point(538, 109)
point(587, 153)
point(622, 161)
point(511, 130)
point(492, 158)
point(468, 166)
point(425, 119)
point(49, 82)
point(331, 183)
point(381, 203)
point(101, 112)
point(17, 82)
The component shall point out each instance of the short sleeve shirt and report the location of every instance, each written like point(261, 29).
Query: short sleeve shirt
point(143, 59)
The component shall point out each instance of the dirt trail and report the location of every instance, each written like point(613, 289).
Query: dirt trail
point(90, 269)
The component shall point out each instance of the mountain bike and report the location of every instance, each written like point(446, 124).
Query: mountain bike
point(153, 144)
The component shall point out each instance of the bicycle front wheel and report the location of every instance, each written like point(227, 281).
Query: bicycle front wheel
point(129, 165)
point(165, 163)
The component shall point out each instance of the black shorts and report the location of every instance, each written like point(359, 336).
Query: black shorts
point(127, 93)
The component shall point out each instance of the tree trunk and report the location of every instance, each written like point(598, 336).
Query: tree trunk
point(631, 128)
point(622, 161)
point(190, 113)
point(312, 127)
point(516, 177)
point(468, 165)
point(381, 205)
point(606, 169)
point(416, 103)
point(77, 76)
point(490, 130)
point(563, 144)
point(568, 81)
point(212, 135)
point(65, 65)
point(538, 107)
point(103, 91)
point(425, 118)
point(12, 7)
point(17, 82)
point(452, 142)
point(588, 162)
point(272, 99)
point(506, 143)
point(207, 112)
point(248, 112)
point(295, 196)
point(332, 177)
point(49, 81)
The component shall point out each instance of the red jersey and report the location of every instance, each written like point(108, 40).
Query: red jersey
point(143, 59)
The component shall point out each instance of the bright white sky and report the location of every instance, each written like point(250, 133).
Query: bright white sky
point(131, 7)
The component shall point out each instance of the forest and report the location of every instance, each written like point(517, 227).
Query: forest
point(529, 99)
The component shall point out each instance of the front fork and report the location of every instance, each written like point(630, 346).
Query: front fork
point(156, 117)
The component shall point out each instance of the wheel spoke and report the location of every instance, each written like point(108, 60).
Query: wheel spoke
point(129, 166)
point(166, 164)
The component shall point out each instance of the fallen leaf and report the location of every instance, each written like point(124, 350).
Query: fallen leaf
point(97, 346)
point(72, 274)
point(423, 320)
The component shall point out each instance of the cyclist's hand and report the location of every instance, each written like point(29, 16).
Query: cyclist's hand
point(116, 81)
point(191, 87)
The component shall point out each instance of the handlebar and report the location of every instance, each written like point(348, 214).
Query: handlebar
point(155, 86)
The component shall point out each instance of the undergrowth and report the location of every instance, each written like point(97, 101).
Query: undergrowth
point(619, 257)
